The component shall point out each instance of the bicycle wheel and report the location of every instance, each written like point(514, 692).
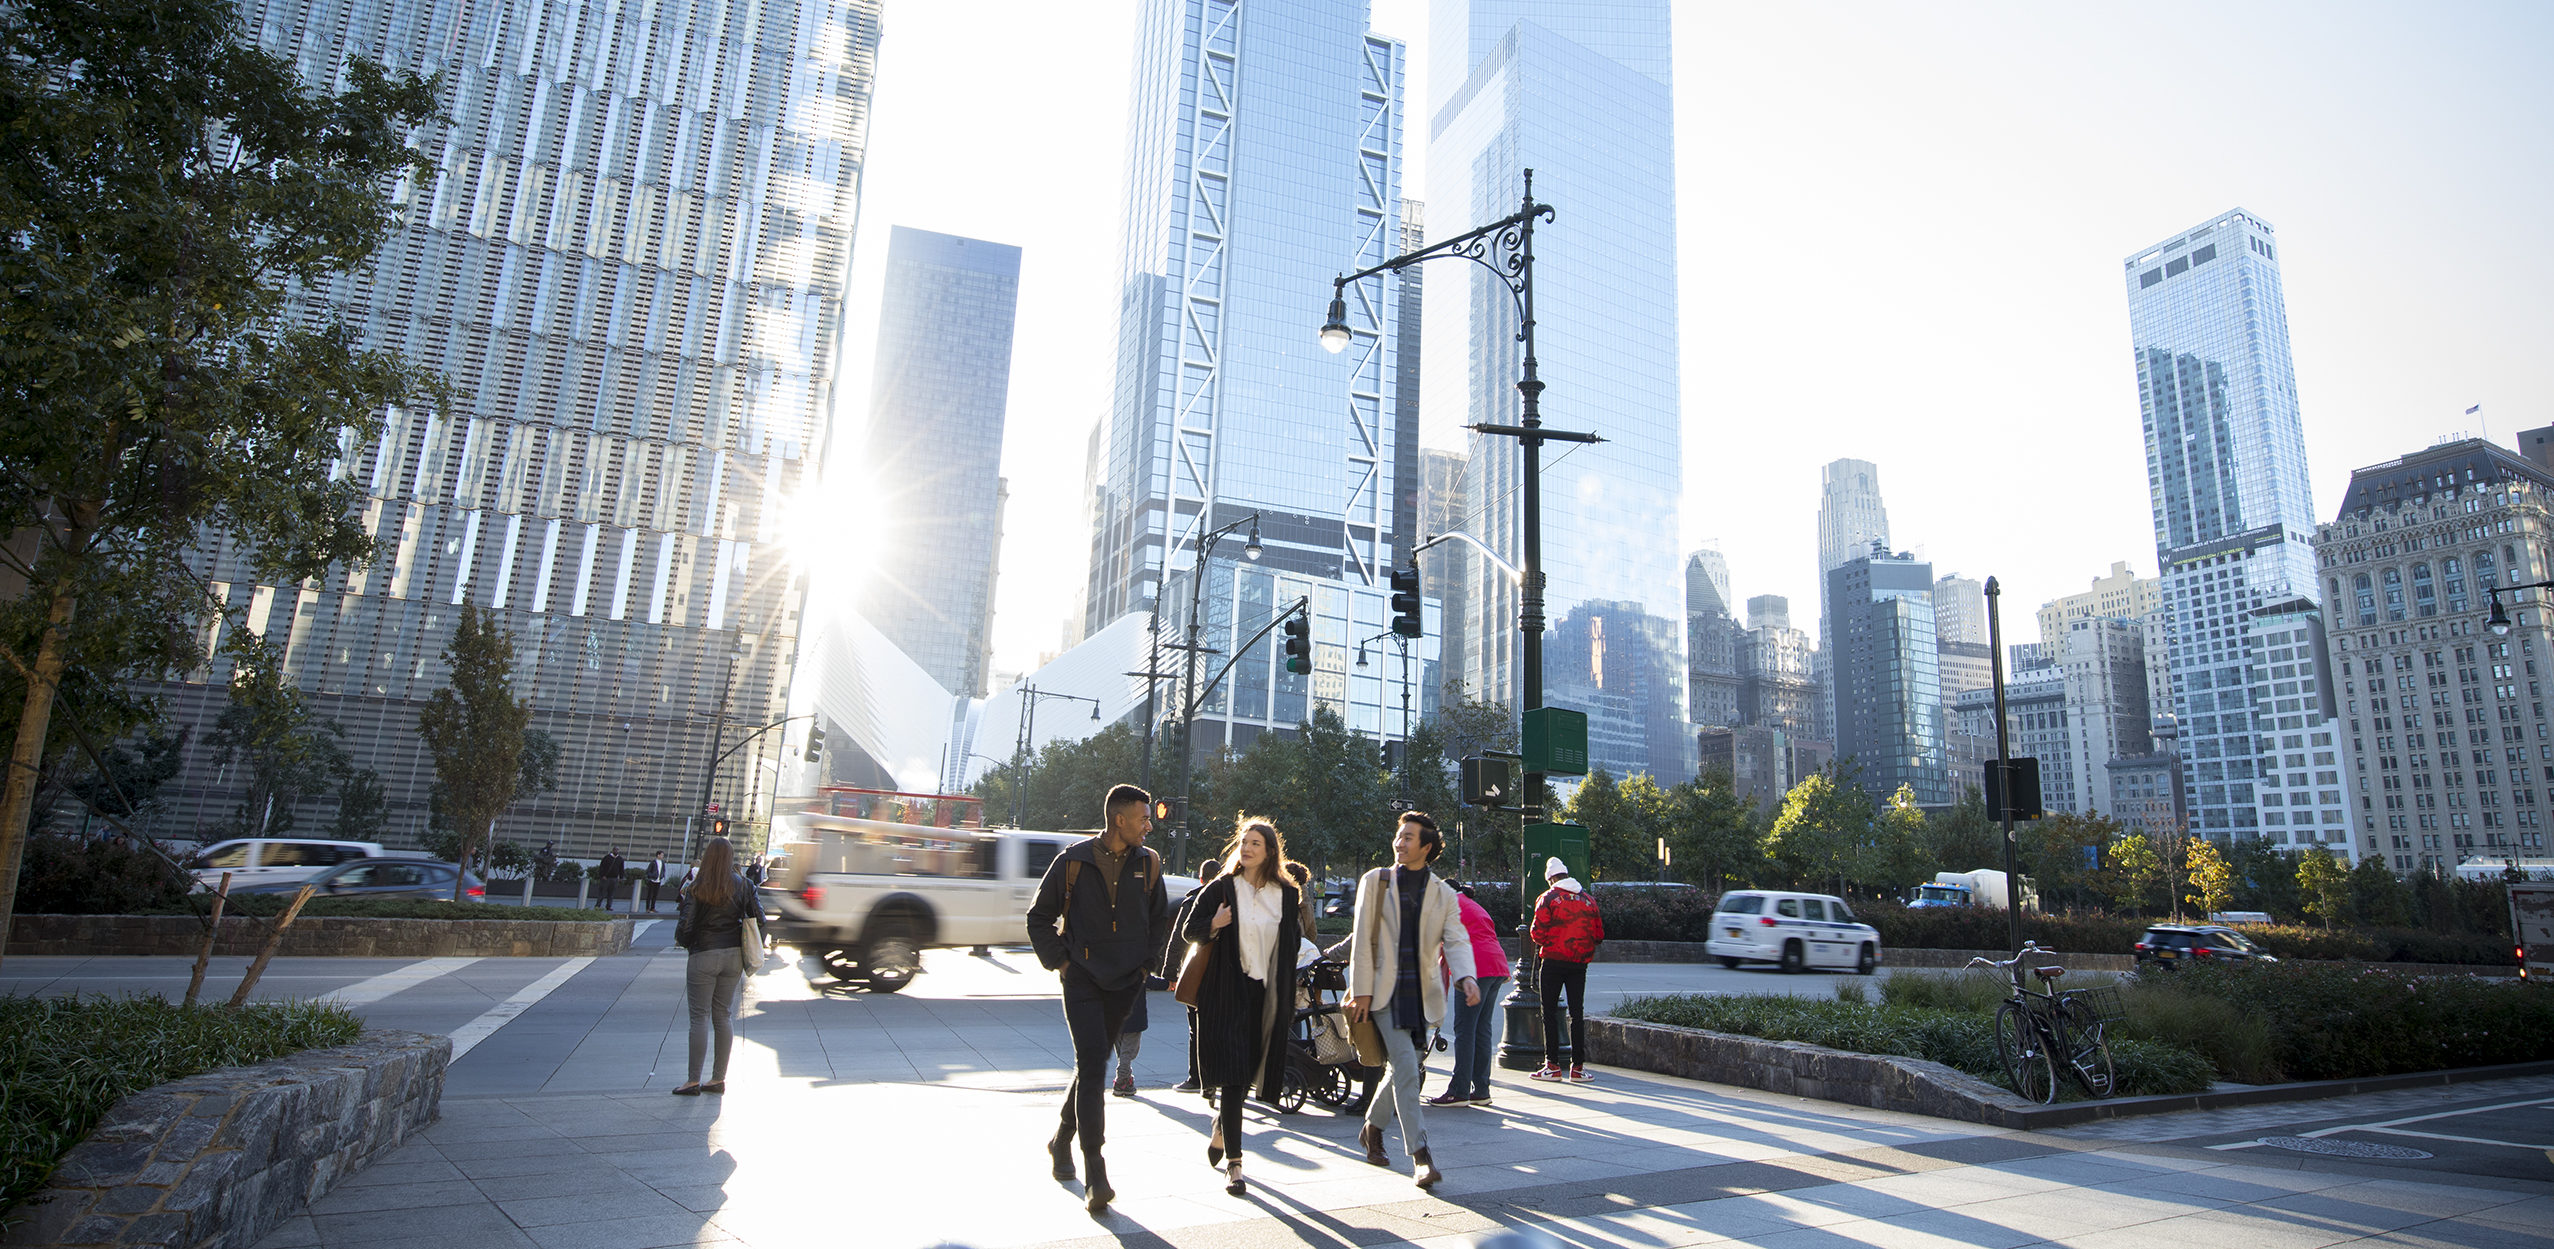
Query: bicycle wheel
point(2088, 1050)
point(2025, 1051)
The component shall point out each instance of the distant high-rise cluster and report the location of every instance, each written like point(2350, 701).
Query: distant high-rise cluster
point(1756, 707)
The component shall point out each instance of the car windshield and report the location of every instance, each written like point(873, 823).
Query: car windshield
point(1742, 904)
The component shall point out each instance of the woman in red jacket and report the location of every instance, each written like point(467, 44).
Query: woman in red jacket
point(1566, 932)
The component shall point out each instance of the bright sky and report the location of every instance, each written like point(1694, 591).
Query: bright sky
point(1900, 237)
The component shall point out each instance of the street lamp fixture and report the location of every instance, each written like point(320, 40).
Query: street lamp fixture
point(1506, 248)
point(2500, 621)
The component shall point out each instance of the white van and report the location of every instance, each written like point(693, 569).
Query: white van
point(275, 860)
point(1794, 931)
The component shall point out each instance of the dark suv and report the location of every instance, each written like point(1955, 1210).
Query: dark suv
point(2171, 945)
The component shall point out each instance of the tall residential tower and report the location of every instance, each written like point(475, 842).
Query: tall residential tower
point(2234, 523)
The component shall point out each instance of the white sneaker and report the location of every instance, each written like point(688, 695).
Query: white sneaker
point(1549, 1071)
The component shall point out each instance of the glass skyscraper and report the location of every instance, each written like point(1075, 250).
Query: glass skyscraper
point(1525, 84)
point(1264, 158)
point(2234, 520)
point(933, 469)
point(630, 264)
point(1890, 717)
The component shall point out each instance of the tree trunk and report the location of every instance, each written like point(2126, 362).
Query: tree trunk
point(17, 793)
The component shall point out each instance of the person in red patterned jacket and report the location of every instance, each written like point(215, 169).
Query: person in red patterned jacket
point(1566, 932)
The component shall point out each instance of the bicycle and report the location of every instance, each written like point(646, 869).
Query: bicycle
point(2036, 1033)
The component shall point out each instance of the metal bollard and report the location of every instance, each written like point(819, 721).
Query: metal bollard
point(527, 890)
point(583, 883)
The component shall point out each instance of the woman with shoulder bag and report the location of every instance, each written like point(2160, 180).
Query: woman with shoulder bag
point(1249, 924)
point(711, 921)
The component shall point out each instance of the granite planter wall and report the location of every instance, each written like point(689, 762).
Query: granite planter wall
point(1880, 1081)
point(218, 1160)
point(320, 935)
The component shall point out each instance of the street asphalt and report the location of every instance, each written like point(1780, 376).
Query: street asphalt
point(917, 1119)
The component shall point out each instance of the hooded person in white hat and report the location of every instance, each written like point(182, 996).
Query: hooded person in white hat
point(1566, 932)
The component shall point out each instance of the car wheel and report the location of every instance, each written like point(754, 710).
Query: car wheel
point(893, 960)
point(1729, 962)
point(1869, 960)
point(841, 965)
point(1794, 958)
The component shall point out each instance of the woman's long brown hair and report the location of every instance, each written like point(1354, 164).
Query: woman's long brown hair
point(1272, 866)
point(717, 874)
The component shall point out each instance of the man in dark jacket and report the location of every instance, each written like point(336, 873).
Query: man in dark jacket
point(1099, 921)
point(610, 871)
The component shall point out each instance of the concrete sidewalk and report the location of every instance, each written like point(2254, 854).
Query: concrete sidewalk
point(918, 1120)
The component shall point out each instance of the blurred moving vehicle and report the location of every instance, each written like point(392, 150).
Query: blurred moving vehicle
point(274, 860)
point(867, 897)
point(1793, 931)
point(421, 879)
point(1983, 887)
point(2170, 945)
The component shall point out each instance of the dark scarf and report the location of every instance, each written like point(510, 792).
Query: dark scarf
point(1409, 1011)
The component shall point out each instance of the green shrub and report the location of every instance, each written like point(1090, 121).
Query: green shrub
point(96, 876)
point(65, 1061)
point(386, 908)
point(2335, 1022)
point(1960, 1039)
point(1976, 991)
point(2164, 1009)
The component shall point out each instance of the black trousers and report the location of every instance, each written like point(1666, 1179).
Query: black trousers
point(1558, 974)
point(1093, 1016)
point(649, 888)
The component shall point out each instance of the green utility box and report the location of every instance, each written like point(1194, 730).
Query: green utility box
point(1556, 741)
point(1566, 842)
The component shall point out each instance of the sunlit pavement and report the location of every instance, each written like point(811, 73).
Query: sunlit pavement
point(918, 1119)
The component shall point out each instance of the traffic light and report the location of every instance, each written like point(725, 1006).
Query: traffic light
point(1489, 781)
point(1392, 756)
point(1170, 810)
point(1405, 602)
point(1298, 644)
point(718, 827)
point(815, 742)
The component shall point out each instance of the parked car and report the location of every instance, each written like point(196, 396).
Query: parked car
point(2171, 945)
point(1793, 931)
point(419, 878)
point(275, 860)
point(867, 897)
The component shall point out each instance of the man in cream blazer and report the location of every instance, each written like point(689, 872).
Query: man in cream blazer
point(1405, 904)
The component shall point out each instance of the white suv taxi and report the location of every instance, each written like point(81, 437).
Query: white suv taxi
point(1794, 931)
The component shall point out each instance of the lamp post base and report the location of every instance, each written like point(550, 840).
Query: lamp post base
point(1522, 1048)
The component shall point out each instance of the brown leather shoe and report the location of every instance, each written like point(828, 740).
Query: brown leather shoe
point(1371, 1137)
point(1427, 1174)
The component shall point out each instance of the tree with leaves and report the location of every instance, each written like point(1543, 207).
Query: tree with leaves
point(474, 729)
point(1961, 838)
point(127, 779)
point(1714, 832)
point(363, 806)
point(164, 186)
point(1821, 829)
point(2325, 885)
point(2212, 878)
point(286, 753)
point(1897, 860)
point(2135, 873)
point(2376, 897)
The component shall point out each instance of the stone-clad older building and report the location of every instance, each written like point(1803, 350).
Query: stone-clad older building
point(2451, 755)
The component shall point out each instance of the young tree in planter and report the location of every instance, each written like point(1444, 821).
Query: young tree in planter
point(474, 729)
point(2136, 870)
point(287, 754)
point(1819, 834)
point(165, 183)
point(2325, 885)
point(363, 807)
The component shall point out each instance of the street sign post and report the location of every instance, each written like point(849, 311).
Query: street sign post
point(1566, 842)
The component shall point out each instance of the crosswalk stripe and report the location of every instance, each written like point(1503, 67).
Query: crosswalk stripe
point(367, 992)
point(467, 1037)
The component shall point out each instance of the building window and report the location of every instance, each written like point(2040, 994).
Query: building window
point(2454, 572)
point(2367, 600)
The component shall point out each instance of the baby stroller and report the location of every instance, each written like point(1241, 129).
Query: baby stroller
point(1321, 1056)
point(1321, 1062)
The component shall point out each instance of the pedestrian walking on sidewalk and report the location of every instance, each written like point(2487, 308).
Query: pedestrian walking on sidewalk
point(1566, 931)
point(1249, 923)
point(709, 921)
point(1407, 918)
point(653, 880)
point(1476, 1026)
point(1175, 956)
point(610, 871)
point(1100, 917)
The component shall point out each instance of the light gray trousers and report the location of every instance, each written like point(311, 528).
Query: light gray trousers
point(711, 980)
point(1397, 1097)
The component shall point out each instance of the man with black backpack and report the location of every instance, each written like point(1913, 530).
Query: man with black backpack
point(1101, 916)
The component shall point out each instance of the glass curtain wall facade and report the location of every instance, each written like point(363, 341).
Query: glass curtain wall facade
point(1264, 159)
point(934, 462)
point(1520, 86)
point(1888, 683)
point(630, 264)
point(2234, 512)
